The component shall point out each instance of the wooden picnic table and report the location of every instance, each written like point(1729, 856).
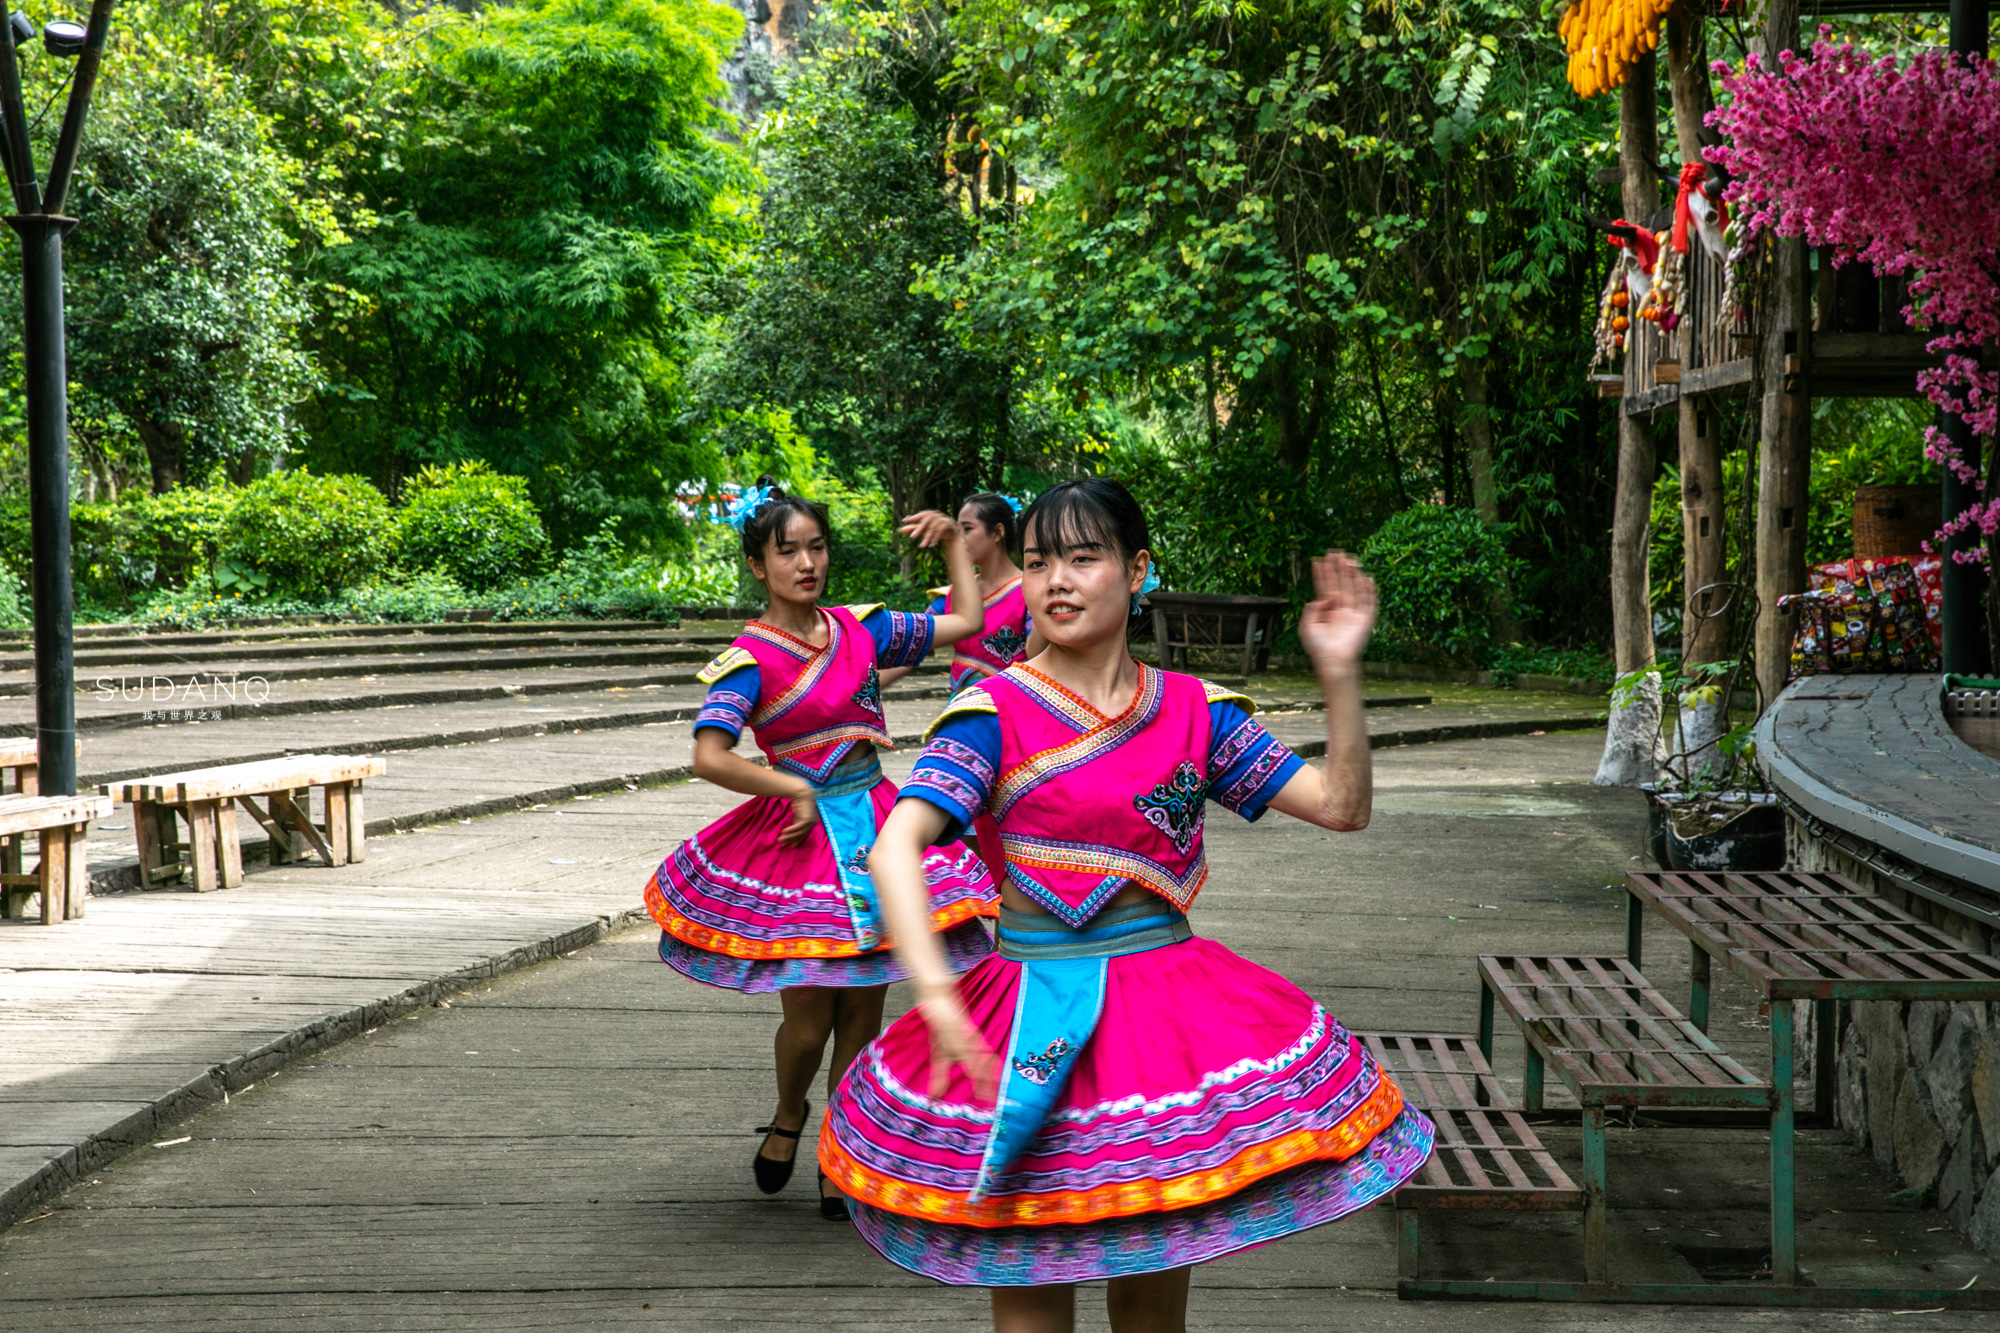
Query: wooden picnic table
point(20, 775)
point(1796, 936)
point(60, 823)
point(207, 799)
point(1184, 620)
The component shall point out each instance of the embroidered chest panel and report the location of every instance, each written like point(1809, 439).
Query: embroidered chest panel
point(1086, 803)
point(815, 701)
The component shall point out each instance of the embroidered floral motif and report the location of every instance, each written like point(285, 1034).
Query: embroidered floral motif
point(858, 862)
point(1254, 775)
point(869, 696)
point(950, 786)
point(967, 758)
point(1174, 807)
point(1039, 1069)
point(1005, 643)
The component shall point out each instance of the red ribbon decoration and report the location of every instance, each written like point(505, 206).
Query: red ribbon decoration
point(1692, 176)
point(1645, 247)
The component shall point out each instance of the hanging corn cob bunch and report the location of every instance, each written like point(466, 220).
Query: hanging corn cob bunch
point(1613, 318)
point(1605, 37)
point(1663, 302)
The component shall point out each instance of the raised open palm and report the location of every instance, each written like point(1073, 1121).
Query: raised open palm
point(1340, 617)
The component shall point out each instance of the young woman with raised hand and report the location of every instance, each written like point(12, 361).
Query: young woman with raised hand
point(776, 895)
point(1111, 1096)
point(992, 529)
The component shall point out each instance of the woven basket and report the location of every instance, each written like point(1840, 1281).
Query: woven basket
point(1894, 520)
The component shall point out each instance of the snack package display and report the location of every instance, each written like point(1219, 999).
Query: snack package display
point(1810, 655)
point(1878, 614)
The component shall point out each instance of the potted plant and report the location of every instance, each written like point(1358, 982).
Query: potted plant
point(1710, 809)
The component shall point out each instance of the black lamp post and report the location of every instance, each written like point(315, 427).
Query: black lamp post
point(39, 221)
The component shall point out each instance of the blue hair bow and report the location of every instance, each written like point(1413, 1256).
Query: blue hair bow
point(1152, 582)
point(746, 506)
point(1017, 503)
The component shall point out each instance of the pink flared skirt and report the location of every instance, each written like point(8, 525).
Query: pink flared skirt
point(1216, 1107)
point(738, 910)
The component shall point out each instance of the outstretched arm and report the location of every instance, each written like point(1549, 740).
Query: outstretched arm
point(968, 614)
point(897, 866)
point(1334, 630)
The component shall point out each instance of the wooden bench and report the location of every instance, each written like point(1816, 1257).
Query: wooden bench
point(1487, 1156)
point(20, 775)
point(207, 799)
point(60, 822)
point(1214, 620)
point(1614, 1041)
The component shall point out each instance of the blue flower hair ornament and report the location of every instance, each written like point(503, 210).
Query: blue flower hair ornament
point(1152, 582)
point(746, 506)
point(1018, 503)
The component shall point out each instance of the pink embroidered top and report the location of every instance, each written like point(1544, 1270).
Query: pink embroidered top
point(812, 706)
point(1086, 804)
point(996, 647)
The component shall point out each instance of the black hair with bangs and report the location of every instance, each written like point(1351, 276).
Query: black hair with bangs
point(770, 518)
point(1090, 511)
point(994, 512)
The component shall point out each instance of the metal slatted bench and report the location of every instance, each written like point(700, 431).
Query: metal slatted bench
point(207, 799)
point(1614, 1041)
point(1797, 936)
point(60, 824)
point(1487, 1156)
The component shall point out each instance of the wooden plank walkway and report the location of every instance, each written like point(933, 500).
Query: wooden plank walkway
point(563, 1148)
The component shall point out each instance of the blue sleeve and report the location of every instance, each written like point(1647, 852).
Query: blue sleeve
point(902, 638)
point(730, 702)
point(1247, 765)
point(956, 771)
point(937, 606)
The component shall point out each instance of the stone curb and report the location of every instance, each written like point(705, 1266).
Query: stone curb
point(68, 1170)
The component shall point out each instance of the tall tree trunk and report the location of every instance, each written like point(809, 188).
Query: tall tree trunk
point(1476, 391)
point(1632, 741)
point(1784, 443)
point(163, 451)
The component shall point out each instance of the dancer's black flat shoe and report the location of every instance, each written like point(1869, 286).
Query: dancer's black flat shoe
point(772, 1174)
point(833, 1207)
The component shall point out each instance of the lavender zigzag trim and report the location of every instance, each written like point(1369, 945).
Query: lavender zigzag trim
point(964, 945)
point(967, 758)
point(1235, 745)
point(952, 787)
point(1252, 779)
point(754, 902)
point(1292, 1201)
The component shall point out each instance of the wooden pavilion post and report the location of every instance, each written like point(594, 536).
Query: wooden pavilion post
point(1784, 438)
point(1704, 511)
point(1632, 742)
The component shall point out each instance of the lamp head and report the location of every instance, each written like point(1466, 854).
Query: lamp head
point(20, 27)
point(63, 37)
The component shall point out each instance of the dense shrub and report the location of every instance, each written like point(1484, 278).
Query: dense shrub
point(597, 579)
point(14, 606)
point(473, 524)
point(1437, 569)
point(294, 534)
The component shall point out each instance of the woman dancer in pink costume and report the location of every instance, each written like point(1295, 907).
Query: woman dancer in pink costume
point(992, 527)
point(1109, 1096)
point(776, 895)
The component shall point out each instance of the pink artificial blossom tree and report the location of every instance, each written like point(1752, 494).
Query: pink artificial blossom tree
point(1899, 168)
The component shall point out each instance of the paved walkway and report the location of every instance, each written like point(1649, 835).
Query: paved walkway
point(564, 1147)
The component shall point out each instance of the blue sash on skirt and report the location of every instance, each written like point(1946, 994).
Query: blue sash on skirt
point(1063, 971)
point(847, 813)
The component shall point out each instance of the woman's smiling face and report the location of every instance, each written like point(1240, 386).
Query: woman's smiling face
point(1081, 594)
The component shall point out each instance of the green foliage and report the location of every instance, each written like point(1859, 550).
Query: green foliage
point(472, 524)
point(184, 315)
point(597, 579)
point(1516, 660)
point(15, 608)
point(309, 535)
point(549, 214)
point(830, 330)
point(1860, 442)
point(1437, 570)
